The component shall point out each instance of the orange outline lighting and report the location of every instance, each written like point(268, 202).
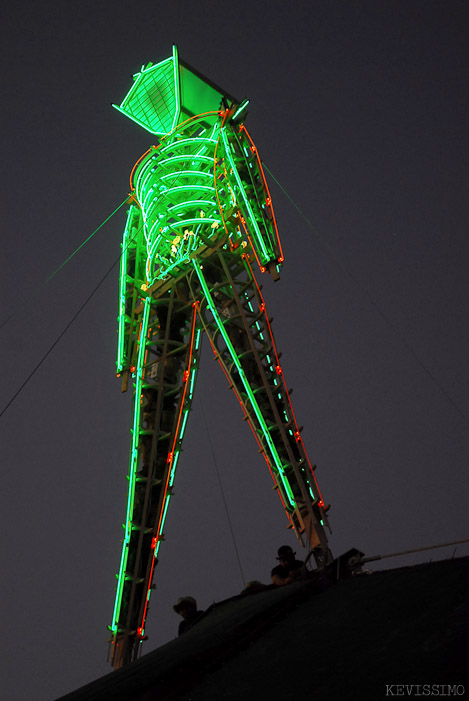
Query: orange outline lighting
point(280, 373)
point(266, 187)
point(261, 448)
point(169, 462)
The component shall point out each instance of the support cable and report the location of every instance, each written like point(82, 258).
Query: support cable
point(62, 333)
point(223, 495)
point(48, 279)
point(371, 300)
point(372, 558)
point(73, 318)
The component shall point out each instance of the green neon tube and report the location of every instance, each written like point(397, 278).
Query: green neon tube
point(186, 410)
point(184, 141)
point(122, 289)
point(240, 109)
point(200, 173)
point(183, 188)
point(192, 203)
point(163, 518)
point(189, 156)
point(133, 461)
point(246, 201)
point(176, 86)
point(247, 387)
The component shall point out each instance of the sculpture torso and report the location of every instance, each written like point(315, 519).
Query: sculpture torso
point(182, 194)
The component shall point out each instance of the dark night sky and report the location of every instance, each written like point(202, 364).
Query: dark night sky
point(360, 109)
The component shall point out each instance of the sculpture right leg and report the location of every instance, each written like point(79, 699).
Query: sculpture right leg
point(167, 360)
point(236, 321)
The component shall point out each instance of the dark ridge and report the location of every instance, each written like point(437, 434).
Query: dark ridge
point(390, 633)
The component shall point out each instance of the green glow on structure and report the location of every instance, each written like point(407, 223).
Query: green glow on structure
point(153, 100)
point(247, 387)
point(265, 257)
point(242, 108)
point(187, 408)
point(188, 141)
point(122, 289)
point(163, 518)
point(133, 466)
point(176, 196)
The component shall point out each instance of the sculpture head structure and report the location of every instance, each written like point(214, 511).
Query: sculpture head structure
point(168, 93)
point(188, 187)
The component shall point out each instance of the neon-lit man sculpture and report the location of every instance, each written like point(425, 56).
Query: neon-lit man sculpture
point(200, 217)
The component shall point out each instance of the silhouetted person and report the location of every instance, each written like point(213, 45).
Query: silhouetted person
point(289, 568)
point(186, 607)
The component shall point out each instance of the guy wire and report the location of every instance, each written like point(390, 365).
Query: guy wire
point(48, 279)
point(370, 299)
point(220, 482)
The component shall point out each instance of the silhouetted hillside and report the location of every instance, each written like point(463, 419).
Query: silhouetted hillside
point(356, 638)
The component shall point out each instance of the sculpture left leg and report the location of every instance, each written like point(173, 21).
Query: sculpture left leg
point(167, 343)
point(235, 319)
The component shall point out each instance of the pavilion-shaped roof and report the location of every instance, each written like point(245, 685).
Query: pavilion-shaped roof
point(169, 92)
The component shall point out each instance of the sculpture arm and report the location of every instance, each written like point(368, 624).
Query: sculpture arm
point(132, 276)
point(249, 185)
